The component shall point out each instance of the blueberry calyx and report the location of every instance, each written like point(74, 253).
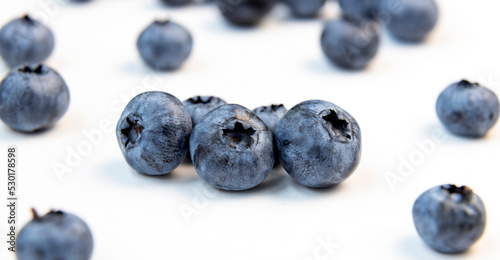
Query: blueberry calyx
point(35, 214)
point(275, 107)
point(200, 100)
point(338, 127)
point(37, 217)
point(39, 69)
point(467, 84)
point(56, 212)
point(131, 130)
point(272, 108)
point(239, 135)
point(464, 192)
point(257, 5)
point(162, 22)
point(26, 18)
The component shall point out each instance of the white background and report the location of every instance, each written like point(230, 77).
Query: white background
point(138, 217)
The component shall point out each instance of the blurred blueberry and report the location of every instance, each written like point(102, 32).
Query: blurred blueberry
point(57, 235)
point(305, 8)
point(449, 218)
point(25, 41)
point(365, 8)
point(177, 2)
point(244, 12)
point(411, 20)
point(468, 109)
point(350, 42)
point(232, 149)
point(165, 45)
point(319, 143)
point(153, 132)
point(32, 98)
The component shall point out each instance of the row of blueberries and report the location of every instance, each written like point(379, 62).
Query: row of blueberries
point(233, 148)
point(351, 41)
point(412, 20)
point(313, 138)
point(448, 218)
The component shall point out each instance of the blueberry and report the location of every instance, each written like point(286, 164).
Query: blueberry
point(199, 106)
point(25, 41)
point(350, 42)
point(305, 8)
point(32, 98)
point(231, 148)
point(177, 2)
point(468, 109)
point(319, 143)
point(271, 115)
point(449, 218)
point(411, 20)
point(165, 45)
point(365, 8)
point(153, 132)
point(57, 235)
point(244, 12)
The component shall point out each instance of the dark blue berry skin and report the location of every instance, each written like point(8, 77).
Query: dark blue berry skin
point(468, 109)
point(411, 20)
point(319, 143)
point(244, 12)
point(232, 148)
point(177, 2)
point(271, 115)
point(365, 8)
point(449, 218)
point(57, 235)
point(305, 8)
point(350, 42)
point(165, 45)
point(153, 132)
point(32, 98)
point(25, 41)
point(199, 106)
